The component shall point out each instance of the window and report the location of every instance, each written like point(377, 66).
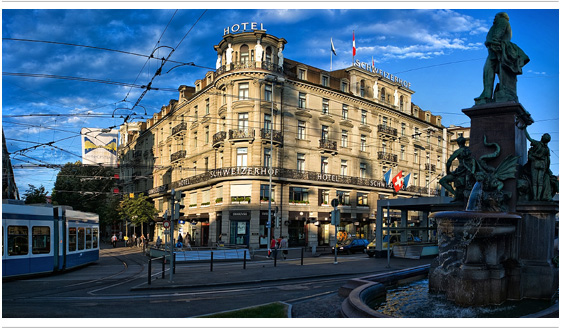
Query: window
point(88, 241)
point(325, 133)
point(416, 157)
point(344, 86)
point(301, 129)
point(17, 240)
point(324, 196)
point(207, 135)
point(402, 152)
point(324, 165)
point(325, 80)
point(302, 74)
point(384, 121)
point(344, 168)
point(267, 157)
point(383, 95)
point(206, 159)
point(80, 238)
point(401, 103)
point(363, 117)
point(160, 203)
point(416, 133)
point(298, 195)
point(268, 93)
point(243, 121)
point(362, 170)
point(41, 239)
point(242, 156)
point(302, 100)
point(95, 237)
point(72, 239)
point(403, 129)
point(244, 50)
point(265, 193)
point(196, 112)
point(207, 107)
point(362, 88)
point(363, 146)
point(325, 106)
point(243, 91)
point(383, 146)
point(344, 198)
point(219, 194)
point(344, 138)
point(206, 200)
point(193, 201)
point(345, 112)
point(362, 199)
point(300, 161)
point(267, 122)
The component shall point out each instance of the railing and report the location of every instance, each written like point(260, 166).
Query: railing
point(278, 137)
point(430, 167)
point(383, 129)
point(386, 156)
point(327, 144)
point(178, 128)
point(219, 137)
point(241, 133)
point(178, 155)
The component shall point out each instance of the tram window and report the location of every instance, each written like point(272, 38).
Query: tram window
point(17, 240)
point(41, 240)
point(95, 237)
point(80, 238)
point(88, 241)
point(72, 239)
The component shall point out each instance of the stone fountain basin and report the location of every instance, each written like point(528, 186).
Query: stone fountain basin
point(491, 223)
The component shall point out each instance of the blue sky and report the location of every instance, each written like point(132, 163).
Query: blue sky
point(440, 52)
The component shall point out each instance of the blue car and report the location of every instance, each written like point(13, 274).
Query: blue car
point(352, 246)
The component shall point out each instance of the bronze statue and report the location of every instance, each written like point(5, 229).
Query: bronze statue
point(537, 169)
point(463, 176)
point(505, 59)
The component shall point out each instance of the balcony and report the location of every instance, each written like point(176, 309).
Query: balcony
point(387, 131)
point(239, 135)
point(430, 167)
point(178, 155)
point(326, 145)
point(386, 157)
point(179, 128)
point(219, 138)
point(268, 134)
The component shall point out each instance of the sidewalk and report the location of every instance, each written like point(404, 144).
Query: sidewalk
point(260, 269)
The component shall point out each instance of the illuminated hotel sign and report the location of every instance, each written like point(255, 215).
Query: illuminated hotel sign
point(242, 27)
point(382, 73)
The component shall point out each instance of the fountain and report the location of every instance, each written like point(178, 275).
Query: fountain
point(500, 247)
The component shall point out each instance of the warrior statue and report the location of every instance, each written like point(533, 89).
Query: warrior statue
point(505, 59)
point(463, 176)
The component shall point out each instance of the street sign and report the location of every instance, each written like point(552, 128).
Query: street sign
point(335, 203)
point(166, 224)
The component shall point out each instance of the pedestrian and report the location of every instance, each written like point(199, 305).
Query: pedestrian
point(284, 247)
point(188, 240)
point(114, 240)
point(273, 248)
point(134, 241)
point(142, 241)
point(158, 242)
point(148, 237)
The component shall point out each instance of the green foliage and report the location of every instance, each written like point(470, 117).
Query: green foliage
point(87, 188)
point(35, 195)
point(138, 210)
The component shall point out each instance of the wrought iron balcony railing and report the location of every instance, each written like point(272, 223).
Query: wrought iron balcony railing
point(178, 155)
point(235, 134)
point(276, 135)
point(386, 130)
point(218, 138)
point(327, 145)
point(384, 156)
point(178, 128)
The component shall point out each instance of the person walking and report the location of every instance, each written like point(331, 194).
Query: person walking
point(284, 247)
point(114, 240)
point(188, 240)
point(272, 247)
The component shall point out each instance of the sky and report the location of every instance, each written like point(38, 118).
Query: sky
point(440, 51)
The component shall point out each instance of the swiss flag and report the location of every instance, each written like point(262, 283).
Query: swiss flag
point(354, 48)
point(398, 181)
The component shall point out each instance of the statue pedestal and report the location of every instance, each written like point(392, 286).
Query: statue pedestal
point(498, 122)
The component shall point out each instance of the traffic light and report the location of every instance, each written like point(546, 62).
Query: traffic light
point(179, 200)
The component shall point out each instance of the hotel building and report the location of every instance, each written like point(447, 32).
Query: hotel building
point(262, 119)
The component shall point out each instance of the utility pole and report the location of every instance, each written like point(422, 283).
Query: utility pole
point(172, 217)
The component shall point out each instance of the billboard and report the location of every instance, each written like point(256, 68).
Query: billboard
point(99, 146)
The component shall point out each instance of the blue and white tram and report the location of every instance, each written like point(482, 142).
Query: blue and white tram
point(45, 239)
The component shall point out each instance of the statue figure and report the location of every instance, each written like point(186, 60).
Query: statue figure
point(537, 169)
point(280, 58)
point(218, 64)
point(375, 90)
point(463, 176)
point(228, 54)
point(505, 59)
point(259, 51)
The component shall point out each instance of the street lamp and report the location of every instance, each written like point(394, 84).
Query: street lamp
point(278, 80)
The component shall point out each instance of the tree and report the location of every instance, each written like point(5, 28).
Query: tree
point(87, 188)
point(138, 210)
point(35, 195)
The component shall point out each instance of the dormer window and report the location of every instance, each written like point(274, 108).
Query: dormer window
point(302, 74)
point(325, 81)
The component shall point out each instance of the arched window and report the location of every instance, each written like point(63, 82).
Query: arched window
point(383, 95)
point(269, 55)
point(244, 50)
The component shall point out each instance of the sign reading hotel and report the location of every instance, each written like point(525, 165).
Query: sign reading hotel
point(242, 27)
point(382, 73)
point(99, 148)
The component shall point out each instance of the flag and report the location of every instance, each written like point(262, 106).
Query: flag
point(398, 182)
point(372, 62)
point(333, 47)
point(387, 177)
point(406, 180)
point(354, 48)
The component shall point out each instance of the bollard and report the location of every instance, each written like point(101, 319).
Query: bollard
point(275, 253)
point(149, 270)
point(163, 265)
point(302, 256)
point(211, 260)
point(244, 258)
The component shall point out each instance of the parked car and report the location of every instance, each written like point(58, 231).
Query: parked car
point(352, 246)
point(393, 239)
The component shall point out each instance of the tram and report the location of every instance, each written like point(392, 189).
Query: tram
point(46, 239)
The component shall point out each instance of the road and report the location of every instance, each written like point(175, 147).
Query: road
point(104, 290)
